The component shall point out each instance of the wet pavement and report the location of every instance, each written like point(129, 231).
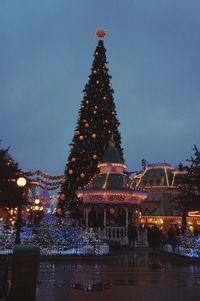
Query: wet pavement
point(131, 276)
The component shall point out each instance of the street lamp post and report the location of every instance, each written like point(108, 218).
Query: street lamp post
point(37, 208)
point(21, 182)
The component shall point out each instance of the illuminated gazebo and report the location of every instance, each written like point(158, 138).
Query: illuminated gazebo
point(109, 201)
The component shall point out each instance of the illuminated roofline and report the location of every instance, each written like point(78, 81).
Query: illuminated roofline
point(111, 164)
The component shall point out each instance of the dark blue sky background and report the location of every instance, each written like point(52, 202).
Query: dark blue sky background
point(46, 52)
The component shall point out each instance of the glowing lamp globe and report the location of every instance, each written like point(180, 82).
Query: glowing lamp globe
point(97, 82)
point(37, 201)
point(21, 182)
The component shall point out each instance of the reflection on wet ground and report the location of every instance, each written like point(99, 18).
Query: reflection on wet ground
point(130, 274)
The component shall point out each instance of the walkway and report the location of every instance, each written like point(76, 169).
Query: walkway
point(133, 276)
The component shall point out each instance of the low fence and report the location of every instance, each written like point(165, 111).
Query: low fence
point(3, 277)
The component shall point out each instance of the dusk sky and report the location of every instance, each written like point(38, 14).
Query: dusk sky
point(46, 52)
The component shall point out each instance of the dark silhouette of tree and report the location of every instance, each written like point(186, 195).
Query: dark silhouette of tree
point(188, 187)
point(9, 173)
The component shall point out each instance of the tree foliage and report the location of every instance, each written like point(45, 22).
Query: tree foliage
point(188, 198)
point(9, 172)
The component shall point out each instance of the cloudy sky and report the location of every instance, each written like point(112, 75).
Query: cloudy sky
point(46, 52)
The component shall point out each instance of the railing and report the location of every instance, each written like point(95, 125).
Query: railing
point(3, 278)
point(116, 233)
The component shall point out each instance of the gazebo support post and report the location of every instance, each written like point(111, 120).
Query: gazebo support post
point(104, 222)
point(126, 210)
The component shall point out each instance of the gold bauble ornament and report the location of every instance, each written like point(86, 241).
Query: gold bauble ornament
point(82, 175)
point(94, 157)
point(94, 112)
point(87, 125)
point(71, 172)
point(81, 138)
point(93, 136)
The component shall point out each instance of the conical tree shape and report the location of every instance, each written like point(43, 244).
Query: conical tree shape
point(97, 124)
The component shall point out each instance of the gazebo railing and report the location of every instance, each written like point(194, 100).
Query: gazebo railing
point(113, 233)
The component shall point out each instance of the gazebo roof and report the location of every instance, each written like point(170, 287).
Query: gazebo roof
point(110, 182)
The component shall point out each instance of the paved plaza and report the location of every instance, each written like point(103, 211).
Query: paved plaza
point(132, 276)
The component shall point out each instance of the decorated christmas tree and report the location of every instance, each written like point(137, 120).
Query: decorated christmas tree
point(97, 124)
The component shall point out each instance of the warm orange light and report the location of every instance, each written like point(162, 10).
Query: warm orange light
point(73, 159)
point(94, 71)
point(97, 82)
point(94, 112)
point(77, 133)
point(94, 157)
point(71, 172)
point(82, 175)
point(81, 138)
point(112, 211)
point(87, 125)
point(93, 136)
